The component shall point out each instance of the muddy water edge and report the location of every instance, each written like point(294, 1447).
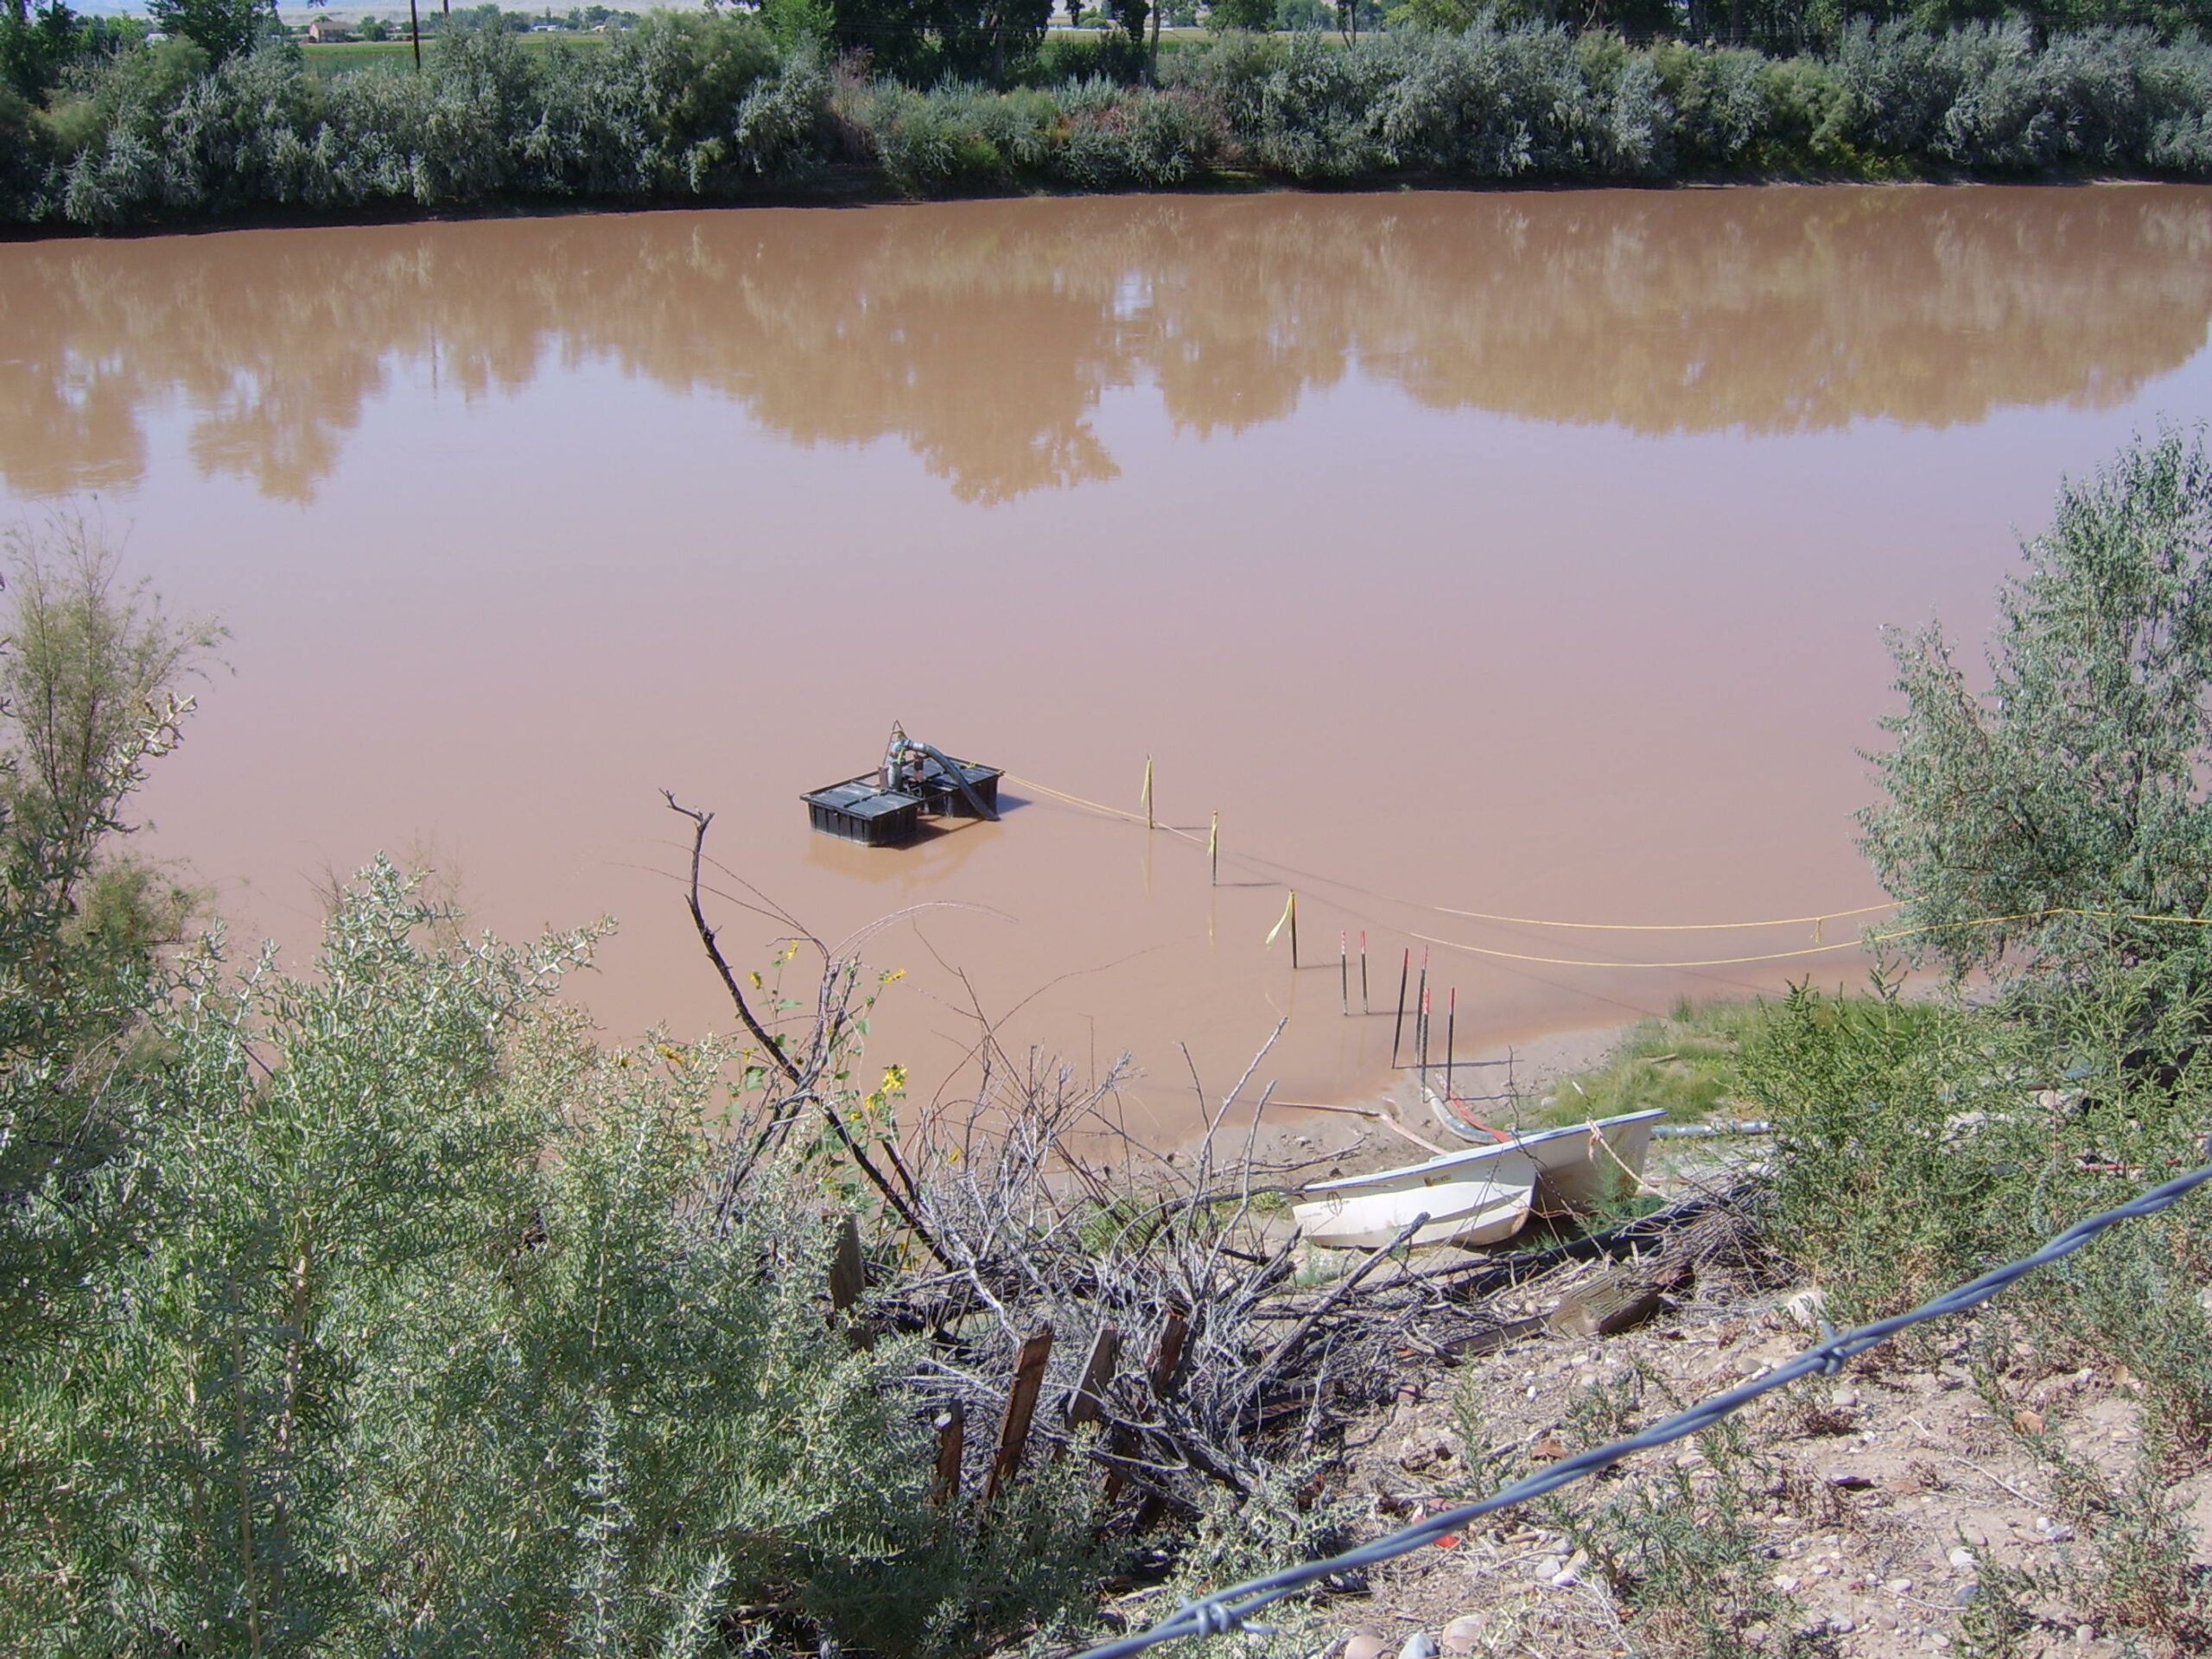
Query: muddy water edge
point(1513, 554)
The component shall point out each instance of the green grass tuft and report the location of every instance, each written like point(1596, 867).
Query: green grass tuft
point(1685, 1063)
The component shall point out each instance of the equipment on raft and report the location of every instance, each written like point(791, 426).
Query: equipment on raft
point(886, 807)
point(1484, 1194)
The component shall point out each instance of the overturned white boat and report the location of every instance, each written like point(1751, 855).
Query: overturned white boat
point(1460, 1212)
point(1486, 1193)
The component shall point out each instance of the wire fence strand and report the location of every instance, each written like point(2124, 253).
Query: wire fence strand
point(1233, 1609)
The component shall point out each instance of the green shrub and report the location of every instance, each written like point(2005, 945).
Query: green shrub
point(1722, 101)
point(1119, 138)
point(680, 106)
point(1803, 130)
point(1094, 135)
point(23, 141)
point(1873, 1196)
point(2041, 828)
point(88, 687)
point(1919, 1145)
point(423, 1336)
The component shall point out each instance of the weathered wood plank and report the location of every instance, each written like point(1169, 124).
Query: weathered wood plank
point(1608, 1302)
point(1498, 1336)
point(1086, 1401)
point(1020, 1408)
point(1167, 1352)
point(951, 1425)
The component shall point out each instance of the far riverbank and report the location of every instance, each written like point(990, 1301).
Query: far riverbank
point(690, 109)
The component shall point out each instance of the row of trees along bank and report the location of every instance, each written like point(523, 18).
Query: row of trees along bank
point(100, 128)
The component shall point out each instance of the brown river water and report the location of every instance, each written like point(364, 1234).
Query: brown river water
point(1522, 554)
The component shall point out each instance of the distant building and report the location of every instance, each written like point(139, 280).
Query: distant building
point(325, 33)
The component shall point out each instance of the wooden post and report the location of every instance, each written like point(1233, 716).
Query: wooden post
point(1020, 1407)
point(1421, 1036)
point(1294, 929)
point(951, 1425)
point(1398, 1027)
point(414, 29)
point(1167, 1356)
point(1168, 1353)
point(1213, 853)
point(847, 1272)
point(1363, 1009)
point(1420, 1015)
point(1451, 1039)
point(1086, 1403)
point(1147, 792)
point(1344, 975)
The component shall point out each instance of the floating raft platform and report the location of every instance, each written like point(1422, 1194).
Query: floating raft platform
point(861, 809)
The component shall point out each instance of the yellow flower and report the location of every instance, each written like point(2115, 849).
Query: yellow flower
point(894, 1079)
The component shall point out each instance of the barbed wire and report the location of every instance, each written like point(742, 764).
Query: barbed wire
point(1232, 1609)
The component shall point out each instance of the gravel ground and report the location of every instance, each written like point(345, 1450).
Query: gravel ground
point(1875, 1504)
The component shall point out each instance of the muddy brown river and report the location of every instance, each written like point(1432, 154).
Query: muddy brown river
point(1513, 554)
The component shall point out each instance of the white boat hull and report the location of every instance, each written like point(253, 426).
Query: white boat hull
point(1467, 1213)
point(1575, 1169)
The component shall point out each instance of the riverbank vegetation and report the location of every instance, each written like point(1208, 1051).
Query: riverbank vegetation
point(99, 129)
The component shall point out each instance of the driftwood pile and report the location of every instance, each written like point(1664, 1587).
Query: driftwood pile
point(1079, 1291)
point(1161, 1314)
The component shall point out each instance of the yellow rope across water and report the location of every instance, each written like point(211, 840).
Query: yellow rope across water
point(1099, 806)
point(1821, 950)
point(1666, 927)
point(1674, 927)
point(1521, 921)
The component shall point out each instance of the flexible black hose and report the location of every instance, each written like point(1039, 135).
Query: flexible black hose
point(958, 773)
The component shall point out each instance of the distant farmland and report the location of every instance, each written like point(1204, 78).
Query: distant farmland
point(340, 57)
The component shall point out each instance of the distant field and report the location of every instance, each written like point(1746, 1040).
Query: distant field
point(338, 59)
point(357, 54)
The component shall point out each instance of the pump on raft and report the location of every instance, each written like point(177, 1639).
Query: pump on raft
point(886, 807)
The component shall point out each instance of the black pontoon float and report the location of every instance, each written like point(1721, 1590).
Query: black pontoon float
point(886, 807)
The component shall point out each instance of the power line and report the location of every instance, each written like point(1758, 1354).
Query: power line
point(1232, 1609)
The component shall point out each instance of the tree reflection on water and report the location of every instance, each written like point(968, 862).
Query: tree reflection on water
point(983, 335)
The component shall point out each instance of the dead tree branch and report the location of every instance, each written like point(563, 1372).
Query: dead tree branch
point(804, 1072)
